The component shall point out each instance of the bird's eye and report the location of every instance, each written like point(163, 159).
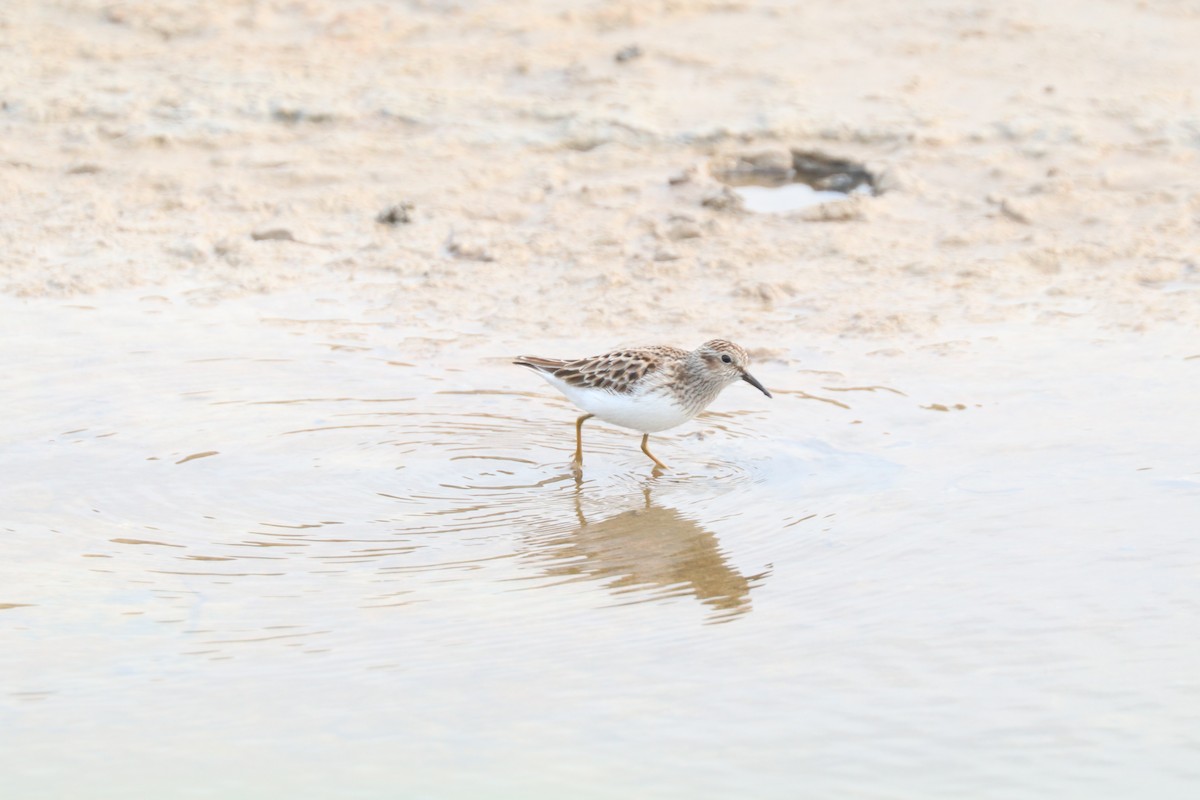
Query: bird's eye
point(727, 359)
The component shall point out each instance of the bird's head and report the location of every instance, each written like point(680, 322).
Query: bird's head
point(727, 362)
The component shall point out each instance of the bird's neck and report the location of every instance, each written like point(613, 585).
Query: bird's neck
point(699, 386)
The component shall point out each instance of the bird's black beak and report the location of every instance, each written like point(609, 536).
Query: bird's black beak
point(750, 379)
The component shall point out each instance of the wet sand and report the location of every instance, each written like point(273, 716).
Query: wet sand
point(282, 519)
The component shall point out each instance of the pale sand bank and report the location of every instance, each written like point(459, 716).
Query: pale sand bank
point(1040, 159)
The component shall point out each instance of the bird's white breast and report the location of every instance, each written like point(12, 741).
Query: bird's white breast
point(648, 412)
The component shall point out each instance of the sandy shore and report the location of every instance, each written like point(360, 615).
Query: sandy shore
point(1038, 160)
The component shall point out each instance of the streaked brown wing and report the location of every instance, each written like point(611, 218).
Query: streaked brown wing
point(616, 371)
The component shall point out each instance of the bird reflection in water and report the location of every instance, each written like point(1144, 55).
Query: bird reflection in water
point(646, 548)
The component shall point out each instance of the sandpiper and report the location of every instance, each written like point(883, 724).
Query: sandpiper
point(648, 389)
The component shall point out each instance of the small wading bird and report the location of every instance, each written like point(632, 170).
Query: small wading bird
point(648, 389)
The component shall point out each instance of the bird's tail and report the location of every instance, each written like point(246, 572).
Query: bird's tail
point(539, 364)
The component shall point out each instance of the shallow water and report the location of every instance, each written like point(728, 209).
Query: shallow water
point(786, 198)
point(274, 546)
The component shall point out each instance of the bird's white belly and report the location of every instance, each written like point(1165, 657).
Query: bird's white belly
point(648, 413)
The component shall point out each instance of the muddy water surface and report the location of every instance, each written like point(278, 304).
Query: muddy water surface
point(281, 547)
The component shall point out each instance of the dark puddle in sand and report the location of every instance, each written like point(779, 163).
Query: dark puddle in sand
point(777, 182)
point(268, 517)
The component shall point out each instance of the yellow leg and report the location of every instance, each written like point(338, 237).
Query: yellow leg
point(579, 437)
point(646, 450)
